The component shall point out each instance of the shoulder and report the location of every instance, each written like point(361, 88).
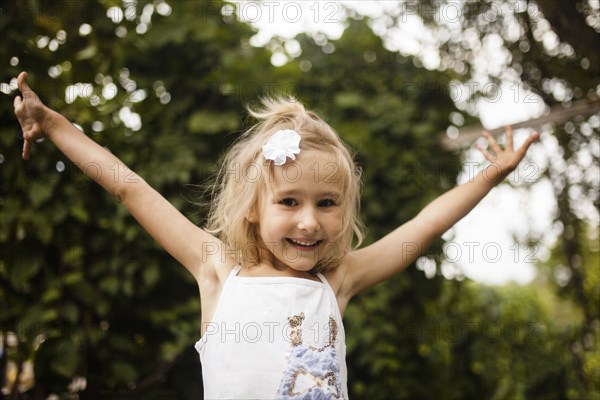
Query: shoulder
point(211, 279)
point(212, 276)
point(341, 280)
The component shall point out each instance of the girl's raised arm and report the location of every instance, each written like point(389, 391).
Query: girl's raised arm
point(397, 250)
point(180, 237)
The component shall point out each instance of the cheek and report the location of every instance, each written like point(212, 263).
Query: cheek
point(334, 223)
point(276, 225)
point(268, 231)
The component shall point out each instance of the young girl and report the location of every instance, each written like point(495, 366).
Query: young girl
point(275, 267)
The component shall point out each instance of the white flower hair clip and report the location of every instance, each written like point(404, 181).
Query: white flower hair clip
point(282, 144)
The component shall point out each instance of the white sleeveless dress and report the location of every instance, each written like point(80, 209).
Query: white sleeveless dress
point(274, 338)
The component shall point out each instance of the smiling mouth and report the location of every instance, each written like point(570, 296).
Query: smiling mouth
point(304, 244)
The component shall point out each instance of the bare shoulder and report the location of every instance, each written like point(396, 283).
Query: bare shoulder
point(214, 272)
point(211, 279)
point(341, 280)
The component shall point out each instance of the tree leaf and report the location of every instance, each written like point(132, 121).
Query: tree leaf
point(39, 192)
point(26, 265)
point(87, 53)
point(66, 358)
point(208, 122)
point(124, 372)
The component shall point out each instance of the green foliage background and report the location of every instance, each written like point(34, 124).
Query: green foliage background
point(85, 292)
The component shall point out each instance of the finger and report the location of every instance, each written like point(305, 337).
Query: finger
point(485, 153)
point(26, 148)
point(532, 138)
point(17, 102)
point(509, 137)
point(22, 82)
point(492, 142)
point(24, 87)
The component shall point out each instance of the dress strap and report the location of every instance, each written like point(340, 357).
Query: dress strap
point(326, 283)
point(235, 270)
point(332, 295)
point(321, 277)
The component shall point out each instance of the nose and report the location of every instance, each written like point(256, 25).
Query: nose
point(308, 220)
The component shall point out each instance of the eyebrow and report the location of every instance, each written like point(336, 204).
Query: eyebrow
point(295, 192)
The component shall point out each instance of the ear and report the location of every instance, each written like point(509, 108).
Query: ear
point(251, 216)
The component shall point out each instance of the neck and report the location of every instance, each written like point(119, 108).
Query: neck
point(271, 266)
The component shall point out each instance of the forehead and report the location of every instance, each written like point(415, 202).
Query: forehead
point(312, 170)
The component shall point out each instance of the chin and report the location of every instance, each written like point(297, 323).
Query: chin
point(302, 268)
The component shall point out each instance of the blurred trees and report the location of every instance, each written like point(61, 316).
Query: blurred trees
point(550, 49)
point(88, 296)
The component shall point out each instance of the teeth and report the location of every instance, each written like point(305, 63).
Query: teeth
point(302, 243)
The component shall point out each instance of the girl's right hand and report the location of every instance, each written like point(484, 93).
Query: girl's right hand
point(31, 113)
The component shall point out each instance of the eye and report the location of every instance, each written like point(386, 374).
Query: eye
point(288, 202)
point(326, 203)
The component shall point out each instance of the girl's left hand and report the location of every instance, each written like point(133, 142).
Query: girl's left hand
point(505, 160)
point(31, 113)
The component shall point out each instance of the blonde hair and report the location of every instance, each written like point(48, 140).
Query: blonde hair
point(236, 191)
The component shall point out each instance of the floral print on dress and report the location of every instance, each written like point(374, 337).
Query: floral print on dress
point(311, 372)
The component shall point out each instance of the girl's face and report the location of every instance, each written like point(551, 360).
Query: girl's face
point(300, 212)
